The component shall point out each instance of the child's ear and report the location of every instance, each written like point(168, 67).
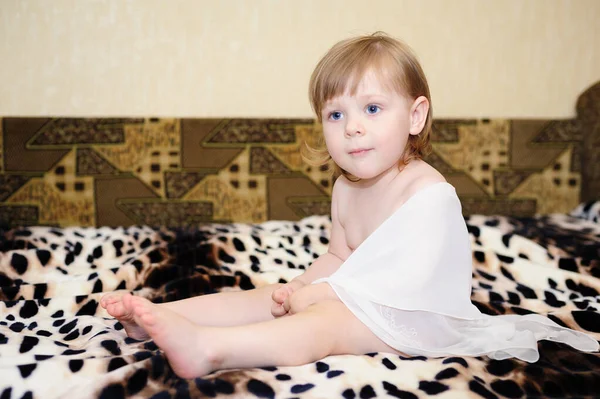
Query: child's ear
point(418, 115)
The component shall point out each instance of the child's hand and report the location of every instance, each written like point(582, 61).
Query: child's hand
point(282, 294)
point(308, 295)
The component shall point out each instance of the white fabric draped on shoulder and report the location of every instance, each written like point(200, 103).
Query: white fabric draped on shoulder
point(410, 283)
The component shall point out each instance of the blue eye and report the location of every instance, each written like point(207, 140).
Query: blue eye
point(335, 115)
point(373, 109)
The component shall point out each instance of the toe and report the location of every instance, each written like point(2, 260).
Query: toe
point(106, 300)
point(118, 310)
point(110, 309)
point(126, 299)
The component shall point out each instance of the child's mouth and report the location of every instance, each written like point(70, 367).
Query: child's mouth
point(360, 151)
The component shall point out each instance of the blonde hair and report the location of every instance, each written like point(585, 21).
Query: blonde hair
point(343, 67)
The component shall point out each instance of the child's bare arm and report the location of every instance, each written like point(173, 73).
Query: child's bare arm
point(325, 264)
point(338, 250)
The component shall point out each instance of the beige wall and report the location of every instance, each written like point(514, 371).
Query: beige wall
point(528, 58)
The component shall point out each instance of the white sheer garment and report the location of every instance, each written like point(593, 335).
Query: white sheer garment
point(410, 283)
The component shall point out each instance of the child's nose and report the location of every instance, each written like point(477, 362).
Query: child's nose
point(354, 127)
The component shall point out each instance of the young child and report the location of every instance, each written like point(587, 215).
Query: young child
point(397, 274)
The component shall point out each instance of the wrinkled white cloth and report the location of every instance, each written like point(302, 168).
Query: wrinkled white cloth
point(410, 283)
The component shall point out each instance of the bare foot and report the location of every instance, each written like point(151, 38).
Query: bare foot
point(119, 306)
point(183, 342)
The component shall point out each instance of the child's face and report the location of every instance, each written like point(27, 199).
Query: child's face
point(366, 133)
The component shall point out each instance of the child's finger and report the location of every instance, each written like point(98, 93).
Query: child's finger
point(279, 295)
point(286, 304)
point(275, 295)
point(288, 289)
point(277, 310)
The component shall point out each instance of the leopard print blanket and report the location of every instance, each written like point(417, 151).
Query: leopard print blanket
point(56, 341)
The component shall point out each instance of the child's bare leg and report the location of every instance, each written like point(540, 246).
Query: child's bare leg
point(221, 309)
point(326, 328)
point(227, 308)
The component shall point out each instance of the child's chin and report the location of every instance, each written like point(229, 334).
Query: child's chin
point(365, 175)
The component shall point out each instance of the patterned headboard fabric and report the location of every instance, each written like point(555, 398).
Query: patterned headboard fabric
point(182, 172)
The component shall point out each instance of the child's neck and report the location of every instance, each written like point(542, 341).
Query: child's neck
point(382, 181)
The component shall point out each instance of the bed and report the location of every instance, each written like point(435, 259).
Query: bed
point(534, 251)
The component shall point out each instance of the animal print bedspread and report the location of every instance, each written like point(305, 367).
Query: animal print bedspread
point(56, 341)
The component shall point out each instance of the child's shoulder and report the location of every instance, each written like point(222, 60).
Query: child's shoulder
point(418, 177)
point(424, 177)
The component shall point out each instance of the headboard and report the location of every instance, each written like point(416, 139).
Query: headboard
point(181, 172)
